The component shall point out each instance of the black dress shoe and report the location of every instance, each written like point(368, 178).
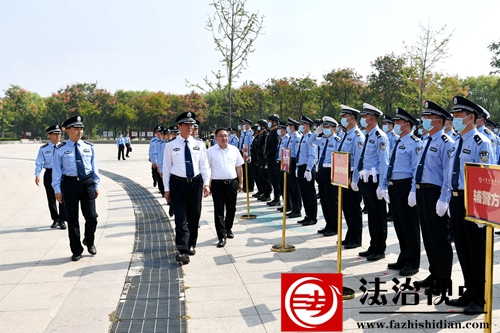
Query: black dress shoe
point(375, 257)
point(322, 231)
point(266, 198)
point(54, 224)
point(230, 234)
point(330, 233)
point(92, 250)
point(274, 203)
point(170, 211)
point(222, 242)
point(288, 210)
point(62, 225)
point(182, 258)
point(408, 271)
point(364, 254)
point(309, 222)
point(255, 195)
point(76, 257)
point(351, 246)
point(497, 232)
point(345, 242)
point(425, 283)
point(473, 309)
point(302, 221)
point(396, 266)
point(460, 302)
point(293, 215)
point(192, 251)
point(84, 242)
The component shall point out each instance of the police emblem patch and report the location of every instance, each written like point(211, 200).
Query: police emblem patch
point(418, 150)
point(383, 146)
point(360, 145)
point(484, 155)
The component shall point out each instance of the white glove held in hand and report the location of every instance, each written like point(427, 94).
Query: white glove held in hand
point(385, 194)
point(441, 207)
point(354, 186)
point(308, 175)
point(380, 196)
point(412, 199)
point(296, 173)
point(249, 159)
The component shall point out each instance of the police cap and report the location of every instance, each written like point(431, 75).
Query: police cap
point(75, 121)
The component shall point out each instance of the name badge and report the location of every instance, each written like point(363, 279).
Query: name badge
point(86, 150)
point(196, 148)
point(434, 149)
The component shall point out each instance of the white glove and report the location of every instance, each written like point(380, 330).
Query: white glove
point(385, 194)
point(317, 167)
point(412, 199)
point(374, 175)
point(441, 207)
point(308, 175)
point(319, 130)
point(379, 191)
point(249, 159)
point(354, 186)
point(296, 173)
point(480, 225)
point(363, 174)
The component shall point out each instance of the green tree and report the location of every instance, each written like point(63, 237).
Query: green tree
point(234, 31)
point(494, 47)
point(302, 96)
point(485, 90)
point(341, 86)
point(5, 116)
point(280, 92)
point(17, 104)
point(441, 89)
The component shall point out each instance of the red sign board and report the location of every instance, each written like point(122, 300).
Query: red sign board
point(245, 153)
point(341, 170)
point(482, 193)
point(286, 157)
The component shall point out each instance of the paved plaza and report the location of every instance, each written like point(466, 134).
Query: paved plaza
point(233, 289)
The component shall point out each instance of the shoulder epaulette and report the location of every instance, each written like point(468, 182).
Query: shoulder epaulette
point(338, 138)
point(89, 143)
point(60, 144)
point(378, 134)
point(478, 139)
point(393, 134)
point(199, 139)
point(445, 138)
point(357, 131)
point(487, 131)
point(415, 138)
point(44, 145)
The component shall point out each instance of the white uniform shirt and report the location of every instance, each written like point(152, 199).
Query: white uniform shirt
point(223, 162)
point(174, 162)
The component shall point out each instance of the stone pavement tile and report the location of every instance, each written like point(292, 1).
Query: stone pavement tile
point(13, 273)
point(228, 292)
point(92, 294)
point(260, 262)
point(260, 276)
point(269, 305)
point(272, 321)
point(240, 324)
point(22, 321)
point(222, 309)
point(84, 319)
point(263, 289)
point(36, 296)
point(5, 289)
point(25, 257)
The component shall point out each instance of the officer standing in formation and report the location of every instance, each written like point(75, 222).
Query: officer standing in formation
point(44, 161)
point(260, 147)
point(186, 176)
point(152, 147)
point(370, 173)
point(120, 143)
point(270, 153)
point(470, 238)
point(402, 165)
point(293, 191)
point(127, 144)
point(284, 143)
point(75, 179)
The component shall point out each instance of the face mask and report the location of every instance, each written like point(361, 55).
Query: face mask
point(314, 127)
point(397, 129)
point(363, 122)
point(337, 129)
point(495, 130)
point(363, 131)
point(327, 131)
point(258, 128)
point(385, 128)
point(269, 125)
point(288, 130)
point(427, 124)
point(239, 127)
point(459, 125)
point(414, 129)
point(301, 128)
point(420, 131)
point(344, 122)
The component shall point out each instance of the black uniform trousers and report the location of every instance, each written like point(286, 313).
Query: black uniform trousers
point(470, 244)
point(129, 149)
point(377, 216)
point(405, 223)
point(77, 192)
point(281, 178)
point(264, 178)
point(308, 193)
point(256, 176)
point(435, 234)
point(293, 190)
point(121, 149)
point(351, 206)
point(224, 194)
point(51, 198)
point(159, 181)
point(185, 199)
point(329, 198)
point(273, 172)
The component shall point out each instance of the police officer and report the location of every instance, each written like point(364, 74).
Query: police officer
point(152, 146)
point(75, 179)
point(307, 156)
point(126, 140)
point(247, 139)
point(284, 140)
point(402, 165)
point(186, 176)
point(470, 238)
point(233, 139)
point(293, 191)
point(481, 128)
point(352, 143)
point(120, 143)
point(328, 193)
point(271, 153)
point(44, 161)
point(388, 128)
point(431, 198)
point(372, 169)
point(448, 129)
point(262, 160)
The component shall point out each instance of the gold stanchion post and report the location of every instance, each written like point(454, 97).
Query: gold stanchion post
point(248, 216)
point(488, 289)
point(283, 247)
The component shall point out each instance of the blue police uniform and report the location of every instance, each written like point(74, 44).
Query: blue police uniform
point(234, 141)
point(492, 137)
point(152, 145)
point(120, 143)
point(293, 189)
point(126, 140)
point(393, 137)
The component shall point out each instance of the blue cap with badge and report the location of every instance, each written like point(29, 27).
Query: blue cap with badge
point(404, 115)
point(53, 129)
point(186, 118)
point(432, 108)
point(75, 121)
point(370, 109)
point(463, 104)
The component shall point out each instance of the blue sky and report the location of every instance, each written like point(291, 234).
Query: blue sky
point(159, 44)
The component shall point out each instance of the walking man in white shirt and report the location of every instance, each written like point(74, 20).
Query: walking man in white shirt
point(225, 162)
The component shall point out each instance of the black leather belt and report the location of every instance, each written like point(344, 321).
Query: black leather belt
point(421, 186)
point(399, 181)
point(78, 178)
point(183, 179)
point(458, 193)
point(225, 181)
